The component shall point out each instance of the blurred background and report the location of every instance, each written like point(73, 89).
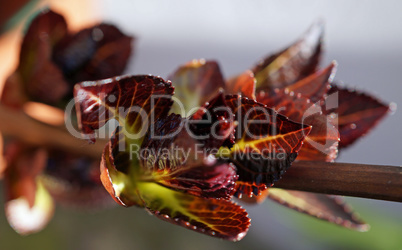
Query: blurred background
point(364, 37)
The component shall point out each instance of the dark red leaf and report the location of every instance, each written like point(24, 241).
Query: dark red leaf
point(52, 61)
point(321, 206)
point(37, 78)
point(213, 124)
point(129, 99)
point(95, 53)
point(322, 142)
point(314, 86)
point(45, 31)
point(163, 137)
point(356, 113)
point(180, 162)
point(212, 179)
point(266, 144)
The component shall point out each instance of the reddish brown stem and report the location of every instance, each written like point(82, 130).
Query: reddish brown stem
point(358, 180)
point(16, 124)
point(349, 179)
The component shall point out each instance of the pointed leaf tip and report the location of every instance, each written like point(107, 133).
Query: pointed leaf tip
point(324, 207)
point(356, 113)
point(291, 64)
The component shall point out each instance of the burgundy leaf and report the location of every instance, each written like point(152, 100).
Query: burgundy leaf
point(356, 113)
point(45, 31)
point(212, 179)
point(37, 78)
point(129, 99)
point(314, 86)
point(52, 61)
point(95, 53)
point(321, 206)
point(214, 124)
point(322, 141)
point(178, 161)
point(266, 144)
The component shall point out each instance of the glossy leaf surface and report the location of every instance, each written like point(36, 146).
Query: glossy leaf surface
point(132, 100)
point(177, 161)
point(213, 124)
point(136, 102)
point(171, 187)
point(266, 144)
point(315, 86)
point(322, 142)
point(356, 112)
point(172, 194)
point(219, 218)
